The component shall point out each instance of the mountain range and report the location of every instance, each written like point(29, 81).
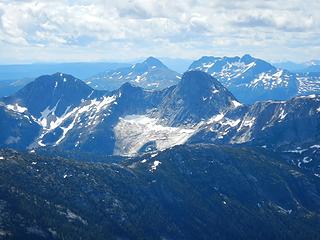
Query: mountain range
point(70, 115)
point(251, 79)
point(187, 161)
point(15, 77)
point(305, 67)
point(248, 78)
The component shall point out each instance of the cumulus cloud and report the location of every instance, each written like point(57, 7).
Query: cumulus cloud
point(107, 29)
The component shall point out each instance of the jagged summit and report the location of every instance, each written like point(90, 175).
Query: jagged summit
point(249, 79)
point(197, 96)
point(197, 84)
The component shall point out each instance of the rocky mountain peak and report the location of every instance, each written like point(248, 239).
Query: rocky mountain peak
point(58, 91)
point(152, 61)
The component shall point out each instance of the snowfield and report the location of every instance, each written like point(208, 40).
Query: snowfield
point(134, 131)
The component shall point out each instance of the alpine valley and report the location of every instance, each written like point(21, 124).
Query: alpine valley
point(228, 150)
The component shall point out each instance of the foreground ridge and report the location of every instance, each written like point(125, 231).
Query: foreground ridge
point(191, 191)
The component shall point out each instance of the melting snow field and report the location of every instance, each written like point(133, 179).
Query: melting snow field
point(49, 121)
point(17, 108)
point(134, 131)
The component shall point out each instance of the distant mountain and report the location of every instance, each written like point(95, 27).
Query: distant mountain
point(151, 74)
point(45, 101)
point(130, 120)
point(307, 75)
point(187, 192)
point(309, 83)
point(58, 91)
point(249, 79)
point(290, 66)
point(15, 77)
point(312, 66)
point(81, 70)
point(9, 87)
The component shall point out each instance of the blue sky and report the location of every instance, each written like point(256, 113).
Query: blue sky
point(97, 30)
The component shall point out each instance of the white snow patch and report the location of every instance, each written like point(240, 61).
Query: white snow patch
point(306, 160)
point(16, 108)
point(282, 114)
point(49, 121)
point(270, 80)
point(40, 143)
point(154, 166)
point(72, 217)
point(248, 122)
point(138, 79)
point(246, 127)
point(95, 106)
point(206, 66)
point(1, 158)
point(312, 96)
point(283, 210)
point(298, 150)
point(90, 94)
point(134, 131)
point(236, 103)
point(215, 118)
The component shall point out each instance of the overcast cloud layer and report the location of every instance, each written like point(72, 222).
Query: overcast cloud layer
point(81, 30)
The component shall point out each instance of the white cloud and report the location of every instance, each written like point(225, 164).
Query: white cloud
point(107, 29)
